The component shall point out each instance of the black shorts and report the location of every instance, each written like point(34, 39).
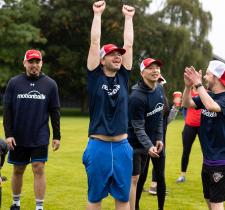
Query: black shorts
point(139, 162)
point(25, 155)
point(213, 182)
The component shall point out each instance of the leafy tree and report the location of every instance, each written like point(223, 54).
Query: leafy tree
point(17, 34)
point(177, 35)
point(184, 27)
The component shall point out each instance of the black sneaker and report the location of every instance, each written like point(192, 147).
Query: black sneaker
point(14, 207)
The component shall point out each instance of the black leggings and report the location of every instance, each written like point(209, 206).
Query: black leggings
point(159, 166)
point(188, 137)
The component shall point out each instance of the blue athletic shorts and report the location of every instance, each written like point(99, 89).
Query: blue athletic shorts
point(25, 155)
point(109, 169)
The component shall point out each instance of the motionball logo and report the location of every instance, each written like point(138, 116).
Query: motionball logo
point(158, 108)
point(32, 95)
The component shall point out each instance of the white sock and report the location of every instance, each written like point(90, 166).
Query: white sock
point(39, 204)
point(16, 200)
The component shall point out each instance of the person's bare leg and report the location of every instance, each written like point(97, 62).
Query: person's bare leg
point(133, 192)
point(94, 206)
point(217, 206)
point(39, 183)
point(17, 179)
point(39, 179)
point(17, 182)
point(122, 205)
point(208, 204)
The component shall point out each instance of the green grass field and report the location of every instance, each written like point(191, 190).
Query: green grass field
point(66, 177)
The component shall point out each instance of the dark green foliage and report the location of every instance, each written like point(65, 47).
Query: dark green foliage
point(17, 33)
point(61, 29)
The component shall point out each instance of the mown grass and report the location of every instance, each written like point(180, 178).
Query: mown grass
point(66, 177)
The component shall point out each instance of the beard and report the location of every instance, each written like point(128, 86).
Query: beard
point(113, 68)
point(208, 86)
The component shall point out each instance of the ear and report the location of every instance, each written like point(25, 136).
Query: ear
point(24, 63)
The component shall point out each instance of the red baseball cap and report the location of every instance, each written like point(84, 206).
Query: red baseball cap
point(32, 54)
point(148, 61)
point(106, 49)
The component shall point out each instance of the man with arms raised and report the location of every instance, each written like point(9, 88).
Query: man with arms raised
point(108, 156)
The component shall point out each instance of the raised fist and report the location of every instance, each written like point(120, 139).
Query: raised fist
point(128, 10)
point(99, 6)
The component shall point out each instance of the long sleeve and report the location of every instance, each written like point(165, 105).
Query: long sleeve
point(139, 130)
point(55, 121)
point(8, 120)
point(137, 119)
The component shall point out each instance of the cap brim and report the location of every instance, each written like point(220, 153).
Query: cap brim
point(120, 50)
point(36, 58)
point(158, 62)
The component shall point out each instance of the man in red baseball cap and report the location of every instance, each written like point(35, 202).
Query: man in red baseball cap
point(33, 62)
point(145, 130)
point(108, 74)
point(29, 100)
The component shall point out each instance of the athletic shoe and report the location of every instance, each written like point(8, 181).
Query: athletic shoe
point(152, 191)
point(14, 207)
point(181, 179)
point(4, 178)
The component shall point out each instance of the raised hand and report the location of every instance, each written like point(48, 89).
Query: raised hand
point(128, 10)
point(193, 76)
point(99, 7)
point(187, 80)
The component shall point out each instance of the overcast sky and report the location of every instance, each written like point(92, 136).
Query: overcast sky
point(217, 33)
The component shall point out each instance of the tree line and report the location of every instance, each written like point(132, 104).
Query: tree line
point(177, 35)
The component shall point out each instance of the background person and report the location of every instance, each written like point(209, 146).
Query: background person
point(108, 155)
point(29, 100)
point(212, 128)
point(189, 133)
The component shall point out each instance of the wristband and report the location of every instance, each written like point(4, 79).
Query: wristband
point(198, 85)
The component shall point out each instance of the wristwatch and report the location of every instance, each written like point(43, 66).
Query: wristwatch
point(198, 85)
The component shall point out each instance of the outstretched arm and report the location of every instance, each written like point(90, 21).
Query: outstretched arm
point(128, 12)
point(93, 55)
